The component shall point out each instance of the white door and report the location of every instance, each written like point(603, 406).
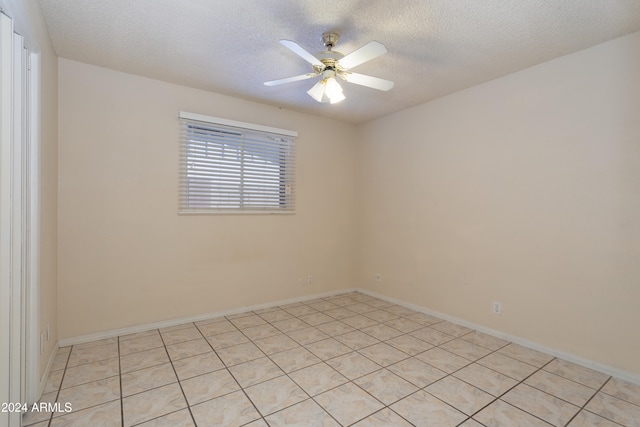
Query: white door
point(16, 350)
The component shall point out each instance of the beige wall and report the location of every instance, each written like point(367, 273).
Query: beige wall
point(29, 22)
point(127, 258)
point(524, 190)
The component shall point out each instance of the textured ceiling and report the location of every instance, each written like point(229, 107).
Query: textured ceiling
point(435, 47)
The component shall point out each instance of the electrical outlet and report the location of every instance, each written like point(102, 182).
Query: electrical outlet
point(309, 280)
point(497, 308)
point(378, 278)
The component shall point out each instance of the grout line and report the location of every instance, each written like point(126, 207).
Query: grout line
point(352, 381)
point(349, 381)
point(120, 383)
point(178, 378)
point(583, 408)
point(287, 374)
point(60, 386)
point(229, 372)
point(516, 385)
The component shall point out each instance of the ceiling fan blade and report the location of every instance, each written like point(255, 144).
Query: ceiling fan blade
point(368, 81)
point(302, 52)
point(290, 79)
point(365, 53)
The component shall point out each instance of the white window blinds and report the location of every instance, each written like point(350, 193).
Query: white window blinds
point(228, 166)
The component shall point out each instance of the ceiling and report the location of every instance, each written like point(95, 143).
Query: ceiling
point(435, 47)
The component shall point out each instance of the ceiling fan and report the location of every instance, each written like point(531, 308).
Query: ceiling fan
point(331, 65)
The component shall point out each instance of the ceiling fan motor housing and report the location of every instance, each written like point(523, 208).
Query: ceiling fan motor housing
point(329, 59)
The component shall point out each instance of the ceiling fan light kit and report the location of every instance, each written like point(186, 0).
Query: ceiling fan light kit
point(331, 66)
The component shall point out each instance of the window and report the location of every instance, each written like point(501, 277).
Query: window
point(228, 166)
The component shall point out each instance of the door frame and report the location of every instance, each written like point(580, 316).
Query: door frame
point(19, 222)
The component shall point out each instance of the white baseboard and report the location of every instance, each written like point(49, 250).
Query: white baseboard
point(173, 322)
point(606, 369)
point(600, 367)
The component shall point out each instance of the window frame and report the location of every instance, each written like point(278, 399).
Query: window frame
point(286, 172)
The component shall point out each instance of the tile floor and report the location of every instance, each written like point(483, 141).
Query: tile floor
point(345, 360)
